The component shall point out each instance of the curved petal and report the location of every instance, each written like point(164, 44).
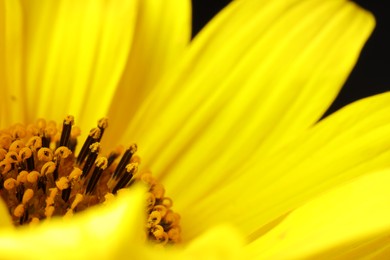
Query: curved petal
point(349, 143)
point(343, 223)
point(221, 242)
point(107, 232)
point(12, 105)
point(5, 219)
point(76, 55)
point(277, 70)
point(162, 32)
point(113, 231)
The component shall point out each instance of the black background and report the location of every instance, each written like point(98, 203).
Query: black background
point(371, 74)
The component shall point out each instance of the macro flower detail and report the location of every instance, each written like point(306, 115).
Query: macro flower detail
point(42, 178)
point(228, 123)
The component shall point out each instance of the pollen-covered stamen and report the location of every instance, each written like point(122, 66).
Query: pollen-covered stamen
point(102, 125)
point(126, 177)
point(42, 178)
point(66, 130)
point(124, 161)
point(27, 157)
point(100, 166)
point(93, 136)
point(94, 150)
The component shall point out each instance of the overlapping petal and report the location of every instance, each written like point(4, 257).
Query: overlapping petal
point(5, 219)
point(248, 87)
point(351, 221)
point(112, 231)
point(75, 55)
point(350, 143)
point(106, 232)
point(11, 56)
point(163, 31)
point(261, 86)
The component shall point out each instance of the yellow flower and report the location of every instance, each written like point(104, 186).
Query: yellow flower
point(227, 123)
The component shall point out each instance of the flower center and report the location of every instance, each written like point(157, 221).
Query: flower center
point(41, 177)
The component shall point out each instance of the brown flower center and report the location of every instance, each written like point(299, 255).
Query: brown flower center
point(41, 177)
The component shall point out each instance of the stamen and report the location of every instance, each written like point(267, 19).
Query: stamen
point(94, 150)
point(42, 178)
point(66, 130)
point(100, 166)
point(102, 125)
point(124, 181)
point(93, 136)
point(124, 161)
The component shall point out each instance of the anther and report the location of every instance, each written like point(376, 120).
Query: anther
point(66, 131)
point(124, 180)
point(100, 166)
point(124, 161)
point(93, 136)
point(102, 125)
point(94, 151)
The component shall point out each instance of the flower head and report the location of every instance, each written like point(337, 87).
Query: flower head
point(227, 123)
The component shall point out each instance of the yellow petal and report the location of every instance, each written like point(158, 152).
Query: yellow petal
point(264, 72)
point(221, 242)
point(5, 219)
point(349, 143)
point(111, 231)
point(76, 55)
point(162, 32)
point(12, 105)
point(354, 216)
